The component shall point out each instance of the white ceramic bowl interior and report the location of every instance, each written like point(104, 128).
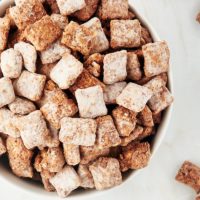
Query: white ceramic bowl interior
point(36, 189)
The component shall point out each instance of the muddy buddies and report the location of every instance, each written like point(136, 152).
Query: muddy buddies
point(83, 89)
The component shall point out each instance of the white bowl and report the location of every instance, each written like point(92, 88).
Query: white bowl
point(36, 189)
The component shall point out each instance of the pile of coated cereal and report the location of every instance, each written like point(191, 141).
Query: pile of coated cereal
point(82, 92)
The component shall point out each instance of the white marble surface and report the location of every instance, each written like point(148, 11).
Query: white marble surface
point(174, 20)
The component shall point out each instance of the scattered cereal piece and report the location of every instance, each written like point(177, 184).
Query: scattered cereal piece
point(106, 173)
point(58, 108)
point(160, 100)
point(29, 55)
point(91, 153)
point(90, 102)
point(11, 63)
point(52, 159)
point(70, 6)
point(42, 33)
point(53, 53)
point(65, 181)
point(30, 85)
point(87, 11)
point(134, 71)
point(78, 38)
point(100, 42)
point(78, 131)
point(125, 33)
point(111, 92)
point(134, 97)
point(72, 154)
point(107, 135)
point(2, 147)
point(19, 157)
point(85, 177)
point(134, 135)
point(198, 18)
point(156, 84)
point(145, 117)
point(198, 198)
point(113, 74)
point(94, 64)
point(66, 71)
point(27, 13)
point(34, 130)
point(7, 94)
point(136, 157)
point(4, 30)
point(189, 174)
point(84, 81)
point(125, 120)
point(60, 20)
point(46, 175)
point(22, 106)
point(113, 9)
point(156, 58)
point(9, 123)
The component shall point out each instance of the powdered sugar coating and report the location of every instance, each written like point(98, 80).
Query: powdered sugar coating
point(134, 71)
point(66, 71)
point(22, 106)
point(134, 97)
point(78, 131)
point(29, 55)
point(156, 58)
point(65, 181)
point(85, 177)
point(9, 123)
point(114, 9)
point(156, 84)
point(53, 53)
point(90, 102)
point(125, 33)
point(100, 42)
point(7, 94)
point(19, 157)
point(160, 100)
point(111, 92)
point(11, 63)
point(30, 85)
point(33, 130)
point(107, 134)
point(60, 20)
point(115, 67)
point(125, 120)
point(68, 7)
point(72, 154)
point(106, 173)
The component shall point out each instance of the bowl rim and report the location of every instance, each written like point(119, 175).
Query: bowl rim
point(12, 180)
